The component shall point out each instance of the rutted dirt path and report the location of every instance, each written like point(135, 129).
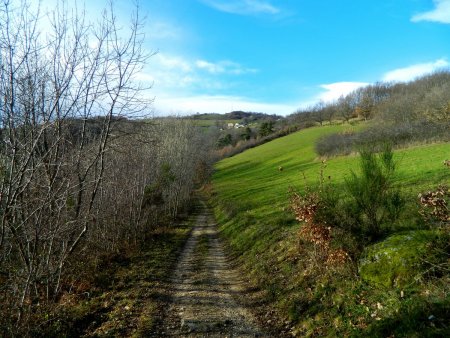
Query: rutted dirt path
point(205, 290)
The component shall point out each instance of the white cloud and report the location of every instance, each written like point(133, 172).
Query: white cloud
point(333, 91)
point(243, 7)
point(441, 13)
point(223, 67)
point(182, 85)
point(210, 67)
point(184, 65)
point(217, 104)
point(170, 72)
point(160, 30)
point(412, 72)
point(169, 62)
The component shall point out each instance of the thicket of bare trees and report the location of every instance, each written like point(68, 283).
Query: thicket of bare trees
point(151, 170)
point(422, 99)
point(76, 176)
point(401, 113)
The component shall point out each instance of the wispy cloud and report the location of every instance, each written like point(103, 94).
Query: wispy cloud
point(412, 72)
point(171, 71)
point(182, 85)
point(243, 7)
point(174, 74)
point(333, 91)
point(172, 63)
point(223, 67)
point(161, 30)
point(441, 13)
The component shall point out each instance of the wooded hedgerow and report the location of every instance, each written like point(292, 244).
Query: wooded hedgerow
point(76, 169)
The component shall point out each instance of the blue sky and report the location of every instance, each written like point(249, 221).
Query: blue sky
point(276, 56)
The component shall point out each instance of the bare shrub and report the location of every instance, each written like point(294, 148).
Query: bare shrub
point(434, 206)
point(63, 95)
point(399, 135)
point(315, 232)
point(337, 223)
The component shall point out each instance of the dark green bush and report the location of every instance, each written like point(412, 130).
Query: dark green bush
point(367, 206)
point(375, 202)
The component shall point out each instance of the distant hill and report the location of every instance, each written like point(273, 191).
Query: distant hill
point(236, 115)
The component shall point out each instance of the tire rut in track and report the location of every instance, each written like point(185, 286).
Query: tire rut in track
point(205, 290)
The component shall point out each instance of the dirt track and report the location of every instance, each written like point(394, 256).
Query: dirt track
point(206, 291)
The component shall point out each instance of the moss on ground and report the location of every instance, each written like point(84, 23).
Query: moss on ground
point(397, 261)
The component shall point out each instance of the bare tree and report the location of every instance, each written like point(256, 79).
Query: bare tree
point(318, 112)
point(180, 150)
point(345, 107)
point(60, 95)
point(329, 112)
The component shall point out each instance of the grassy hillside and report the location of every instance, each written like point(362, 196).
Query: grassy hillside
point(250, 193)
point(252, 183)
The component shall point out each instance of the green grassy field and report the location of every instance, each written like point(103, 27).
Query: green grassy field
point(256, 170)
point(251, 200)
point(205, 123)
point(251, 185)
point(253, 178)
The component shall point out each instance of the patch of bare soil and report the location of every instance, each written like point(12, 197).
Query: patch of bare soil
point(206, 293)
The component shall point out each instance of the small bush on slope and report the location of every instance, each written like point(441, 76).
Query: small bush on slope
point(368, 207)
point(326, 259)
point(376, 204)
